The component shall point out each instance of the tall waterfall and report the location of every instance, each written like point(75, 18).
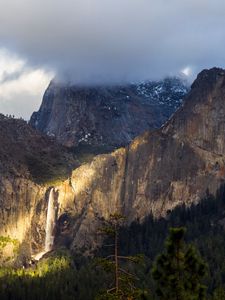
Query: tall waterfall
point(50, 223)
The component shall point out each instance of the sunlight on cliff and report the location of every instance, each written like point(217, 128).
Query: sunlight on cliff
point(82, 178)
point(17, 230)
point(138, 142)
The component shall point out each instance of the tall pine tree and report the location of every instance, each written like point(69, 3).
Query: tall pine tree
point(179, 270)
point(122, 286)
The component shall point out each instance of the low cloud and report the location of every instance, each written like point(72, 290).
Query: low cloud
point(21, 87)
point(106, 41)
point(103, 42)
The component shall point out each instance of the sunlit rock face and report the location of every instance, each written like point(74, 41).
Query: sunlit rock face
point(19, 200)
point(29, 164)
point(106, 117)
point(179, 164)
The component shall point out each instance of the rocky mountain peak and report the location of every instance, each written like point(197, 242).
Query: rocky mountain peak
point(106, 116)
point(178, 164)
point(201, 120)
point(207, 78)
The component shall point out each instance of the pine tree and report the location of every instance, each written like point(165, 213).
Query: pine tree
point(219, 294)
point(123, 286)
point(179, 270)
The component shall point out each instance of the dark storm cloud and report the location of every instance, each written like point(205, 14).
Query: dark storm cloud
point(115, 40)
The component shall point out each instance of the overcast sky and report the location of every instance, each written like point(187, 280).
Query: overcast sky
point(103, 41)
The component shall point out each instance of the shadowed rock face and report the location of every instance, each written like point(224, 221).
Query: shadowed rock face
point(108, 117)
point(177, 164)
point(26, 153)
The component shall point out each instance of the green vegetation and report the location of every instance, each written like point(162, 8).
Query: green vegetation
point(122, 282)
point(9, 249)
point(63, 276)
point(219, 294)
point(50, 168)
point(85, 153)
point(205, 230)
point(179, 270)
point(55, 278)
point(41, 282)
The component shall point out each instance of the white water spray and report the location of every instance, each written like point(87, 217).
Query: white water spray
point(50, 223)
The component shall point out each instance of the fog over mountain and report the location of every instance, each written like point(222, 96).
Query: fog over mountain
point(93, 42)
point(115, 40)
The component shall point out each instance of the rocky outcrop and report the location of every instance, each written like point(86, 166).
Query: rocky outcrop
point(106, 117)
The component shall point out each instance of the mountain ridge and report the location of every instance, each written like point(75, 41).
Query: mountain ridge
point(178, 164)
point(106, 116)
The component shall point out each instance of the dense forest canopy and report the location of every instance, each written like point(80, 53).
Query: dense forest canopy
point(62, 275)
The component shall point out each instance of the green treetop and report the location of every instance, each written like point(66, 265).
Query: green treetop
point(179, 270)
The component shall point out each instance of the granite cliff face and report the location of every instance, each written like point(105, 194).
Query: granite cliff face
point(106, 117)
point(29, 163)
point(177, 164)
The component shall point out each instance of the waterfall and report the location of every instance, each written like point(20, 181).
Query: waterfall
point(50, 225)
point(50, 222)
